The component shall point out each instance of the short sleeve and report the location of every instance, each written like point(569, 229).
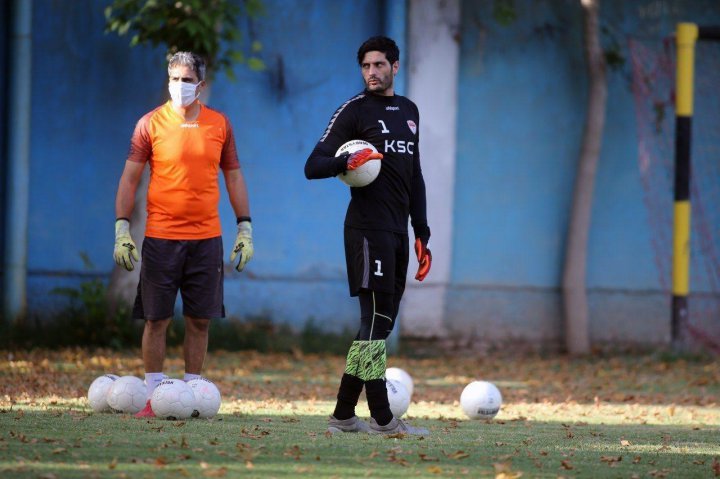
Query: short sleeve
point(140, 143)
point(229, 157)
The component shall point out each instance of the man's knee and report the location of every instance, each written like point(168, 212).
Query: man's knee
point(196, 325)
point(157, 326)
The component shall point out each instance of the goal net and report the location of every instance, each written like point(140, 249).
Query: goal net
point(653, 86)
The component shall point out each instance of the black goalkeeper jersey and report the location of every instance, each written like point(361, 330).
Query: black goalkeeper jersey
point(392, 125)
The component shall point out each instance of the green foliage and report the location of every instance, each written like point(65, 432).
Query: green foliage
point(206, 27)
point(90, 318)
point(504, 12)
point(316, 339)
point(261, 333)
point(614, 56)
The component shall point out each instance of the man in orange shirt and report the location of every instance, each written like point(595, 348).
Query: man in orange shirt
point(185, 143)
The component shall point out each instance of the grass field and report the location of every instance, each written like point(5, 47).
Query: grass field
point(613, 417)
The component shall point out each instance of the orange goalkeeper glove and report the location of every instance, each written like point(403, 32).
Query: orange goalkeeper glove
point(424, 257)
point(360, 157)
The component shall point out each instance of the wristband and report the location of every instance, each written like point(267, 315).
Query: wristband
point(240, 219)
point(422, 231)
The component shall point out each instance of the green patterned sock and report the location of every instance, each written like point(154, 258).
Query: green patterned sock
point(367, 360)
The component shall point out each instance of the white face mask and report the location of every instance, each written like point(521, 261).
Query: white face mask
point(182, 94)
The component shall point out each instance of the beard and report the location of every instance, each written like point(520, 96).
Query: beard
point(381, 84)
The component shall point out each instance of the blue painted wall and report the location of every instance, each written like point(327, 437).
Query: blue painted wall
point(90, 89)
point(522, 95)
point(5, 16)
point(523, 89)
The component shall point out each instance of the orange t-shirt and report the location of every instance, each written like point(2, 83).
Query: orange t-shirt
point(185, 158)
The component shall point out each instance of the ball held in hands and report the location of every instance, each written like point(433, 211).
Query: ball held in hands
point(360, 157)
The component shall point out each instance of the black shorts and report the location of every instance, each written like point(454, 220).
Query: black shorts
point(376, 260)
point(195, 267)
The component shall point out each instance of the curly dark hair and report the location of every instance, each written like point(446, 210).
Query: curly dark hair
point(379, 44)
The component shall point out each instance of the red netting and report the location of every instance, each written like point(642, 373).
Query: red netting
point(653, 80)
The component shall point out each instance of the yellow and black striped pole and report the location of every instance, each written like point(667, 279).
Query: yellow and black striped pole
point(686, 35)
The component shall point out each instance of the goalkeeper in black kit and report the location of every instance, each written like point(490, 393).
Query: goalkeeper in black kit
point(376, 227)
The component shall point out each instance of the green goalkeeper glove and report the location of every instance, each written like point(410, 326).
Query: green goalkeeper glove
point(125, 249)
point(243, 245)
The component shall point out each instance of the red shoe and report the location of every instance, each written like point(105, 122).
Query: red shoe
point(147, 412)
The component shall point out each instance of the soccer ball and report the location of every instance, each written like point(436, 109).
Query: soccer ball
point(173, 399)
point(365, 174)
point(207, 398)
point(127, 395)
point(400, 375)
point(398, 397)
point(480, 400)
point(98, 392)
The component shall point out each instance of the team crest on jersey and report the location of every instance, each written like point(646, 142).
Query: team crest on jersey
point(412, 126)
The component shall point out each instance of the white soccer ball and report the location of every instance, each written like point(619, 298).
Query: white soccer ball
point(98, 392)
point(127, 395)
point(365, 174)
point(173, 399)
point(400, 375)
point(398, 397)
point(480, 400)
point(207, 398)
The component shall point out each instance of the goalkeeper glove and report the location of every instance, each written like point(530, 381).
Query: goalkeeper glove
point(125, 249)
point(243, 245)
point(360, 157)
point(424, 257)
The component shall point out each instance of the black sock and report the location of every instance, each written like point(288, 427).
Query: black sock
point(348, 395)
point(378, 401)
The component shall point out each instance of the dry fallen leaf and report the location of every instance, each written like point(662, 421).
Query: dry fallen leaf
point(218, 472)
point(508, 475)
point(457, 455)
point(503, 470)
point(425, 457)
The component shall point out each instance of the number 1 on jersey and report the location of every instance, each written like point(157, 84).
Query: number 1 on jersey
point(378, 272)
point(384, 128)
